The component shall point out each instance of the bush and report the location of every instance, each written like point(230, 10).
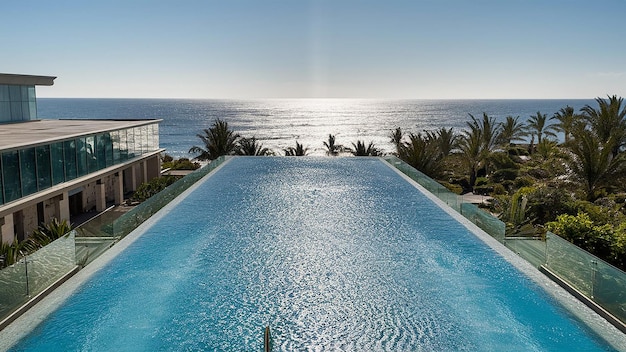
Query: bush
point(539, 173)
point(604, 240)
point(505, 174)
point(524, 181)
point(484, 189)
point(152, 187)
point(180, 164)
point(499, 189)
point(502, 160)
point(481, 181)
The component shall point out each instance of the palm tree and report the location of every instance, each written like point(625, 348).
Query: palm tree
point(250, 146)
point(299, 150)
point(444, 139)
point(473, 150)
point(477, 144)
point(218, 140)
point(567, 119)
point(490, 133)
point(361, 150)
point(423, 153)
point(537, 126)
point(512, 130)
point(332, 148)
point(593, 162)
point(608, 121)
point(396, 138)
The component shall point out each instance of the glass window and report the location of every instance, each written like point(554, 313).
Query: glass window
point(58, 162)
point(25, 110)
point(33, 111)
point(4, 93)
point(108, 145)
point(123, 146)
point(28, 172)
point(81, 156)
point(11, 176)
point(136, 133)
point(131, 143)
point(115, 139)
point(5, 111)
point(144, 139)
point(101, 151)
point(24, 93)
point(16, 110)
point(15, 93)
point(92, 157)
point(31, 94)
point(155, 134)
point(69, 153)
point(44, 171)
point(1, 187)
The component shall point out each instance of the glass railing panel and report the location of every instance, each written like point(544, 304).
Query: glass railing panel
point(428, 183)
point(487, 222)
point(33, 273)
point(531, 249)
point(51, 262)
point(12, 288)
point(609, 289)
point(570, 263)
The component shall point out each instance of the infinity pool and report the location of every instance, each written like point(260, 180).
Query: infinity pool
point(331, 253)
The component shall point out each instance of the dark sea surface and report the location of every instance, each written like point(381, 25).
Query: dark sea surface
point(279, 123)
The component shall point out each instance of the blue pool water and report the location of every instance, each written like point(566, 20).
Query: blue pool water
point(332, 253)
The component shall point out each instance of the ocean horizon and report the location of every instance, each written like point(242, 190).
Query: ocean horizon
point(279, 123)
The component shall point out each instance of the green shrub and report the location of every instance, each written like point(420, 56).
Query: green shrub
point(180, 164)
point(484, 189)
point(539, 173)
point(505, 174)
point(502, 160)
point(603, 240)
point(524, 181)
point(481, 181)
point(152, 187)
point(499, 189)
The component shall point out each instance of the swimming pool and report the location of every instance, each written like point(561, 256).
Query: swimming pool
point(332, 253)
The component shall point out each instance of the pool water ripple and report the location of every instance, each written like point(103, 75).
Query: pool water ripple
point(333, 254)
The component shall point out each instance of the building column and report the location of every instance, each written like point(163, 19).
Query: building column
point(154, 167)
point(101, 196)
point(133, 178)
point(118, 188)
point(63, 207)
point(144, 171)
point(6, 228)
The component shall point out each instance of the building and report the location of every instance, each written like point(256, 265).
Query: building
point(62, 168)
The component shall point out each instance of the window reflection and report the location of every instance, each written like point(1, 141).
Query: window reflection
point(26, 171)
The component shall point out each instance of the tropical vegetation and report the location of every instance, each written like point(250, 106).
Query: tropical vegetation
point(572, 187)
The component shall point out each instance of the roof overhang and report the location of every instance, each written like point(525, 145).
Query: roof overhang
point(26, 80)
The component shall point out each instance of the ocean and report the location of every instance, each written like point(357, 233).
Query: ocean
point(279, 123)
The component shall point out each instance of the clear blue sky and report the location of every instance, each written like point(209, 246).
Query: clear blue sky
point(419, 49)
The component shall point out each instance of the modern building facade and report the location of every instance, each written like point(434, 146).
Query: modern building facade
point(61, 168)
